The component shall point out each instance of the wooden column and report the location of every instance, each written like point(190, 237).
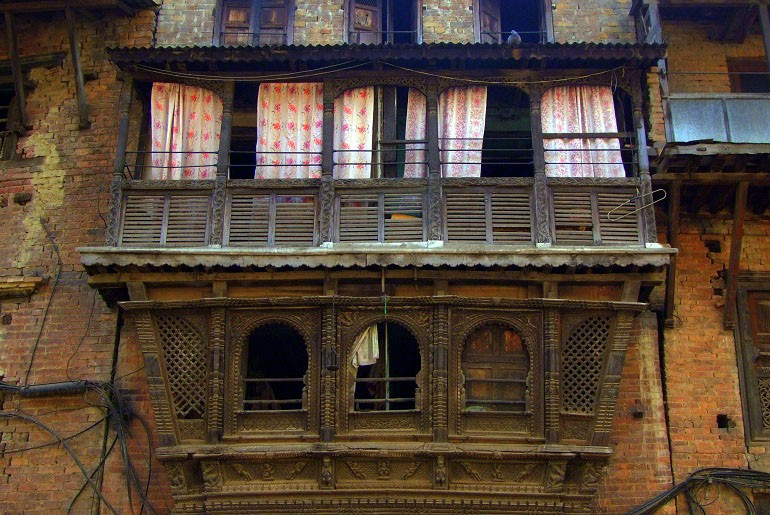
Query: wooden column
point(326, 221)
point(764, 21)
point(674, 200)
point(440, 376)
point(435, 210)
point(650, 230)
point(223, 166)
point(543, 235)
point(552, 364)
point(18, 82)
point(80, 87)
point(736, 239)
point(116, 185)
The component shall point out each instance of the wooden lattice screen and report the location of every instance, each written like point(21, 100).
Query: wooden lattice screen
point(582, 360)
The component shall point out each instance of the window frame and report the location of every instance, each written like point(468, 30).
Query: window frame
point(12, 126)
point(747, 353)
point(254, 21)
point(546, 21)
point(348, 20)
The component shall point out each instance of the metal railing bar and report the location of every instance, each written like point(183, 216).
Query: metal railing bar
point(384, 379)
point(493, 401)
point(274, 401)
point(274, 380)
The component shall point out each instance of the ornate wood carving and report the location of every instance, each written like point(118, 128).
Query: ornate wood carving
point(435, 208)
point(440, 372)
point(552, 375)
point(114, 213)
point(327, 200)
point(216, 375)
point(338, 86)
point(218, 200)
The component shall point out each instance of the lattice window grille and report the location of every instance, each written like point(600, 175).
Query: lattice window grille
point(184, 353)
point(582, 361)
point(764, 399)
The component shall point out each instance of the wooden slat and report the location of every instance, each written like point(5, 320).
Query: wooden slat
point(572, 219)
point(358, 217)
point(403, 217)
point(466, 216)
point(295, 221)
point(142, 220)
point(613, 231)
point(187, 221)
point(511, 217)
point(249, 220)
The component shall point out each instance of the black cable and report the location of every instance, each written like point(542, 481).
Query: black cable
point(82, 338)
point(54, 442)
point(98, 467)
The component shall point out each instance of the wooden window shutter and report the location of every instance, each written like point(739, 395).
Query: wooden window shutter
point(273, 19)
point(365, 21)
point(489, 21)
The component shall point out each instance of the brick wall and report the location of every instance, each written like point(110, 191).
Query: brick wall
point(319, 22)
point(67, 172)
point(185, 22)
point(605, 21)
point(447, 21)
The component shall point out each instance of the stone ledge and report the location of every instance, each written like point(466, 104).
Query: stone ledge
point(19, 287)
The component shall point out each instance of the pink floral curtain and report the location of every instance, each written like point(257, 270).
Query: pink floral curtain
point(416, 107)
point(462, 113)
point(289, 139)
point(581, 109)
point(185, 123)
point(353, 111)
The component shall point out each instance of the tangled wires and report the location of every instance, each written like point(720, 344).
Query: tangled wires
point(704, 479)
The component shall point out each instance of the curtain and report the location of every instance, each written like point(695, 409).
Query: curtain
point(366, 349)
point(185, 123)
point(461, 116)
point(462, 113)
point(290, 118)
point(581, 109)
point(353, 111)
point(416, 107)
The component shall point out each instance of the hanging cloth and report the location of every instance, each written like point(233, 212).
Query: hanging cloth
point(353, 134)
point(366, 348)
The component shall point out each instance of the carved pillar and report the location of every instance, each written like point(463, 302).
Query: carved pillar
point(552, 377)
point(651, 235)
point(116, 185)
point(223, 165)
point(329, 366)
point(435, 212)
point(440, 376)
point(327, 168)
point(215, 411)
point(542, 208)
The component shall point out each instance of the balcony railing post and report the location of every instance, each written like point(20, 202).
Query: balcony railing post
point(223, 166)
point(542, 208)
point(327, 167)
point(643, 160)
point(435, 219)
point(116, 185)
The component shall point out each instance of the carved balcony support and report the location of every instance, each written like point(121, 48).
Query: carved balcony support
point(542, 210)
point(435, 219)
point(327, 167)
point(116, 185)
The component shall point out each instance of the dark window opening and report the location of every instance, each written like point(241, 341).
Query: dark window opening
point(624, 117)
point(497, 18)
point(507, 146)
point(275, 369)
point(255, 22)
point(495, 363)
point(390, 383)
point(390, 133)
point(8, 122)
point(243, 138)
point(383, 21)
point(748, 75)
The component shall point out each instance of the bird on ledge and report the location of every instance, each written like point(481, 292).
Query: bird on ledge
point(513, 38)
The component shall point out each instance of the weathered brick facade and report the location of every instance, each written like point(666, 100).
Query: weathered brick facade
point(665, 421)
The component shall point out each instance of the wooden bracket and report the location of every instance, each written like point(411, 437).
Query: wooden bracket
point(736, 239)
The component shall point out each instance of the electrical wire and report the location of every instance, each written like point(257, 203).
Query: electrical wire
point(54, 442)
point(85, 334)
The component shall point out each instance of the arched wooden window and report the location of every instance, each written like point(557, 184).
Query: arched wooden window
point(386, 357)
point(495, 364)
point(276, 370)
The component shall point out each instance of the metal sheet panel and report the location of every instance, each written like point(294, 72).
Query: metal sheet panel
point(698, 119)
point(749, 120)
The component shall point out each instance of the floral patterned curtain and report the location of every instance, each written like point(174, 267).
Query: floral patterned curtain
point(581, 109)
point(461, 115)
point(185, 123)
point(353, 111)
point(416, 107)
point(290, 118)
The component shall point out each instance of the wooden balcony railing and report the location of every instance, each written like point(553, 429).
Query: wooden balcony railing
point(275, 213)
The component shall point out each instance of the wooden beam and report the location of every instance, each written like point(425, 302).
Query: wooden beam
point(736, 240)
point(58, 5)
point(675, 198)
point(760, 178)
point(18, 84)
point(80, 87)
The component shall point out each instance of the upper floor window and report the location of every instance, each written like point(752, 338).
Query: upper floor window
point(276, 369)
point(383, 21)
point(255, 22)
point(748, 75)
point(386, 360)
point(9, 120)
point(503, 21)
point(495, 364)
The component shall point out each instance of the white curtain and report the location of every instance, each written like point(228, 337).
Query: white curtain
point(185, 122)
point(462, 113)
point(416, 107)
point(567, 109)
point(290, 119)
point(353, 118)
point(366, 348)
